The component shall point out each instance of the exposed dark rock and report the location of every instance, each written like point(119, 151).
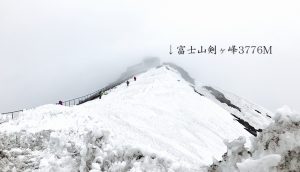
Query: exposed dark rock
point(198, 92)
point(221, 97)
point(258, 111)
point(184, 74)
point(247, 126)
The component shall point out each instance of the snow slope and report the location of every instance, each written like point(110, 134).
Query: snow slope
point(252, 116)
point(158, 123)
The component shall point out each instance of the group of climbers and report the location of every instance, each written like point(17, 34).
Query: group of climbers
point(127, 82)
point(101, 92)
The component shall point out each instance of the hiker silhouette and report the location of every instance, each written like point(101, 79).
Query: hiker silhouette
point(100, 94)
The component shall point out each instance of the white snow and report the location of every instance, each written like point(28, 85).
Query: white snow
point(255, 115)
point(159, 115)
point(260, 165)
point(276, 148)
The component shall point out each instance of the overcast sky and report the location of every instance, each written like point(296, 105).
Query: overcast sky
point(60, 49)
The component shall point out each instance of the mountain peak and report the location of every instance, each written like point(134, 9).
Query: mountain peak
point(162, 116)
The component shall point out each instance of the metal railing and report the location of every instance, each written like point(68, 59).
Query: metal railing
point(12, 113)
point(78, 100)
point(71, 102)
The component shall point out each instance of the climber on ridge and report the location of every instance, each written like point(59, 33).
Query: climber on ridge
point(134, 78)
point(100, 94)
point(127, 83)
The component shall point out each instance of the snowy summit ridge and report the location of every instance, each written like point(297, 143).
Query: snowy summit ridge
point(161, 121)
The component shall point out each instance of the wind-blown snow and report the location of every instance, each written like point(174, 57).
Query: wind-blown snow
point(157, 122)
point(276, 149)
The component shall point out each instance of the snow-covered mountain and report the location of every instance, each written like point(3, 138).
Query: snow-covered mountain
point(161, 122)
point(253, 117)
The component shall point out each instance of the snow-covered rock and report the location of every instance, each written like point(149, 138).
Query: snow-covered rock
point(277, 148)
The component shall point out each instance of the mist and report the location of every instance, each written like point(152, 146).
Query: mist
point(58, 50)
